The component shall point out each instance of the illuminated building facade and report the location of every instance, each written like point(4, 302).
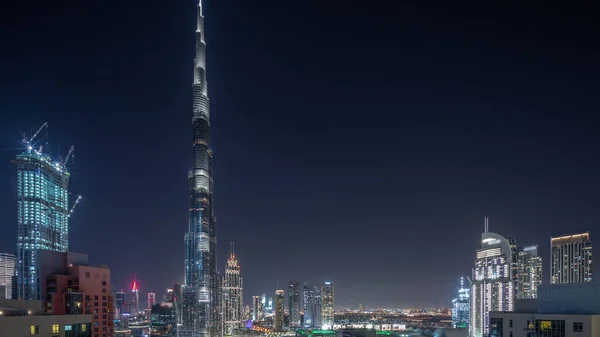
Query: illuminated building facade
point(42, 217)
point(163, 318)
point(279, 311)
point(202, 282)
point(135, 297)
point(151, 300)
point(461, 306)
point(232, 297)
point(312, 306)
point(294, 304)
point(327, 305)
point(571, 259)
point(529, 273)
point(493, 286)
point(257, 308)
point(7, 271)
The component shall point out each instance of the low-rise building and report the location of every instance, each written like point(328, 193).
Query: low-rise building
point(561, 310)
point(26, 318)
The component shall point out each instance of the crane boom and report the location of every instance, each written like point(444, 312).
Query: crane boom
point(30, 140)
point(71, 152)
point(74, 205)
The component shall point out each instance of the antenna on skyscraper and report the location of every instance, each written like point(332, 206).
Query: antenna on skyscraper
point(486, 224)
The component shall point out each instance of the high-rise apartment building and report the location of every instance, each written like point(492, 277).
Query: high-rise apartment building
point(327, 305)
point(42, 215)
point(202, 283)
point(257, 308)
point(312, 306)
point(294, 304)
point(7, 271)
point(529, 273)
point(493, 285)
point(279, 311)
point(571, 258)
point(232, 296)
point(461, 306)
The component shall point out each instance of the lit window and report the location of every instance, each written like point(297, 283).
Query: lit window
point(83, 327)
point(55, 328)
point(545, 325)
point(68, 327)
point(34, 329)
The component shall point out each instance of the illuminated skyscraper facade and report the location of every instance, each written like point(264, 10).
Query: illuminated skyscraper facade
point(279, 311)
point(151, 300)
point(7, 271)
point(312, 306)
point(42, 216)
point(202, 284)
point(461, 306)
point(571, 258)
point(493, 285)
point(232, 297)
point(257, 308)
point(529, 273)
point(327, 305)
point(294, 304)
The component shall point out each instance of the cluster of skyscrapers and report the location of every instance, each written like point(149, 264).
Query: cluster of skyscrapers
point(503, 275)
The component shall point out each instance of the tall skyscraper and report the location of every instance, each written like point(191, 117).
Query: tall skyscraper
point(119, 303)
point(135, 296)
point(294, 304)
point(232, 296)
point(7, 271)
point(202, 318)
point(529, 273)
point(327, 305)
point(493, 285)
point(312, 306)
point(461, 306)
point(42, 214)
point(257, 308)
point(571, 258)
point(279, 311)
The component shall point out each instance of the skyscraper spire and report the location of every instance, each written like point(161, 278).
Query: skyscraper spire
point(200, 297)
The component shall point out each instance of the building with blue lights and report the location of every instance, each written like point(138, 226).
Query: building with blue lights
point(42, 216)
point(461, 306)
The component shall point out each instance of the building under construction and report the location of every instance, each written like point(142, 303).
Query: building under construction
point(42, 213)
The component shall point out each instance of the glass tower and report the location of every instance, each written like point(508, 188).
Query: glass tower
point(529, 273)
point(327, 305)
point(294, 304)
point(461, 306)
point(42, 217)
point(201, 314)
point(312, 306)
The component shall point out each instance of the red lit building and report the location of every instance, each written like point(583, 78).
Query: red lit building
point(71, 286)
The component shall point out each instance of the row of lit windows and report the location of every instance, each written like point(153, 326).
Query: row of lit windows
point(35, 329)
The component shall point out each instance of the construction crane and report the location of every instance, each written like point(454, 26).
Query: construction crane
point(69, 154)
point(29, 141)
point(74, 205)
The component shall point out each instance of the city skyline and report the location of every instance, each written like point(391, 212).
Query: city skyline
point(450, 139)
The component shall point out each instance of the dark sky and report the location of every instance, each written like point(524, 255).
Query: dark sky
point(360, 142)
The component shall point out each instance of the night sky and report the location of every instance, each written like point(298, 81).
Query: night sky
point(361, 142)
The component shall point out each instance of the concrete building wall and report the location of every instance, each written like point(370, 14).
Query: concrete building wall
point(519, 324)
point(579, 298)
point(45, 325)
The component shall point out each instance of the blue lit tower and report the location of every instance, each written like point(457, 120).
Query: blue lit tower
point(200, 297)
point(461, 306)
point(42, 214)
